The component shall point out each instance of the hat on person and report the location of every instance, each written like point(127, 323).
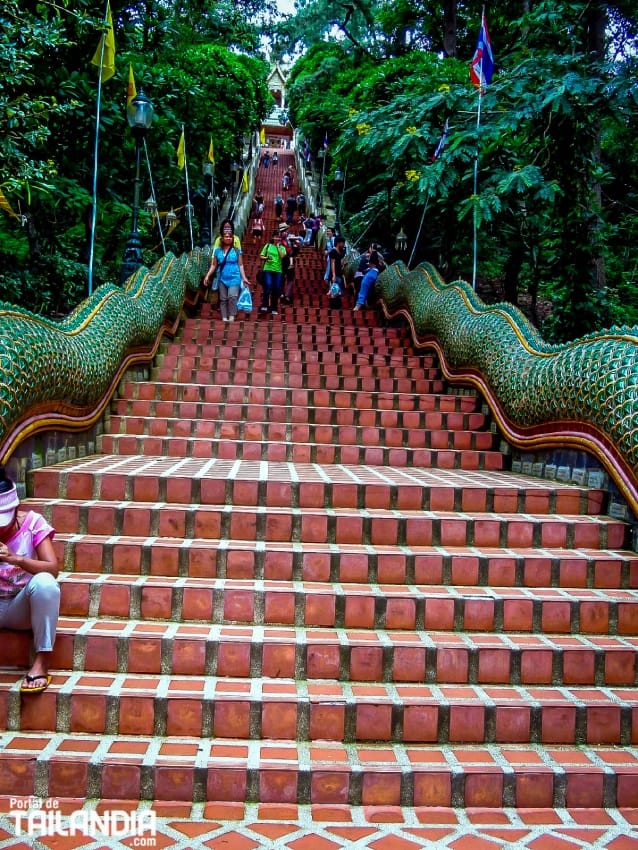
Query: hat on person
point(9, 501)
point(283, 227)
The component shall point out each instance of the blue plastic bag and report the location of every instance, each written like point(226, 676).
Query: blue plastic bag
point(245, 300)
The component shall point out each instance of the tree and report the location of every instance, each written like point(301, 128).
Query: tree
point(181, 55)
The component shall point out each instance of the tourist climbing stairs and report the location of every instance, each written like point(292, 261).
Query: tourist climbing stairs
point(298, 571)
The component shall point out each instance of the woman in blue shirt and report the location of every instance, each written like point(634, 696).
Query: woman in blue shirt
point(227, 261)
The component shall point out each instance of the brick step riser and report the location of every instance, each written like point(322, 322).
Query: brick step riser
point(316, 357)
point(231, 338)
point(294, 378)
point(489, 518)
point(251, 415)
point(260, 361)
point(373, 404)
point(116, 777)
point(232, 448)
point(211, 560)
point(385, 337)
point(348, 609)
point(300, 719)
point(337, 435)
point(408, 658)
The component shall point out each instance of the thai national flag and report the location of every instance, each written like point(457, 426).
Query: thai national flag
point(325, 141)
point(482, 65)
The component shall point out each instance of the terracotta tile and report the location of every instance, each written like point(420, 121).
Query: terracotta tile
point(121, 781)
point(279, 720)
point(452, 665)
point(366, 663)
point(373, 722)
point(279, 660)
point(277, 786)
point(88, 713)
point(231, 719)
point(66, 776)
point(439, 614)
point(156, 602)
point(233, 659)
point(327, 722)
point(558, 725)
point(381, 789)
point(513, 724)
point(433, 788)
point(136, 715)
point(359, 612)
point(408, 664)
point(184, 717)
point(189, 657)
point(144, 655)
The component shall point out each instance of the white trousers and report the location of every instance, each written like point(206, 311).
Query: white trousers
point(36, 607)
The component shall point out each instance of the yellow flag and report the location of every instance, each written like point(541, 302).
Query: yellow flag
point(244, 183)
point(262, 136)
point(106, 57)
point(211, 152)
point(181, 154)
point(131, 91)
point(6, 206)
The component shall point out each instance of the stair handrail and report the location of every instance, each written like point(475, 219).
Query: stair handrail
point(61, 375)
point(581, 394)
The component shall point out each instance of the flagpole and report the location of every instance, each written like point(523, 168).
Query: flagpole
point(150, 180)
point(418, 234)
point(95, 155)
point(476, 158)
point(189, 206)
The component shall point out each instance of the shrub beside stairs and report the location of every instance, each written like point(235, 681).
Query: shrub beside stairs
point(300, 574)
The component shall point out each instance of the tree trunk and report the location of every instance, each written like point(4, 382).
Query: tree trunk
point(449, 28)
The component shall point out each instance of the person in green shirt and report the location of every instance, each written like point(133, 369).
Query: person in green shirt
point(272, 254)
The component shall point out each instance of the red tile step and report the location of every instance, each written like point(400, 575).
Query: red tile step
point(327, 450)
point(352, 605)
point(329, 773)
point(260, 422)
point(282, 709)
point(380, 403)
point(120, 552)
point(318, 652)
point(376, 527)
point(499, 496)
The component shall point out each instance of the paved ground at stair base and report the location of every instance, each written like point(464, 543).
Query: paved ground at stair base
point(251, 827)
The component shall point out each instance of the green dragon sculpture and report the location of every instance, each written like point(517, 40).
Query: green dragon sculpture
point(582, 394)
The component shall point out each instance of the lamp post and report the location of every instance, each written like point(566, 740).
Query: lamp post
point(207, 225)
point(140, 117)
point(321, 154)
point(234, 175)
point(401, 241)
point(340, 181)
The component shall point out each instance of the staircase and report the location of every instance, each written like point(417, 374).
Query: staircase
point(299, 577)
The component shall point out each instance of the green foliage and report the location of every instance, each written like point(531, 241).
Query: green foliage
point(190, 58)
point(554, 191)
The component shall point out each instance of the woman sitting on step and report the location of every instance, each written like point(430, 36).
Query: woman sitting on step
point(29, 592)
